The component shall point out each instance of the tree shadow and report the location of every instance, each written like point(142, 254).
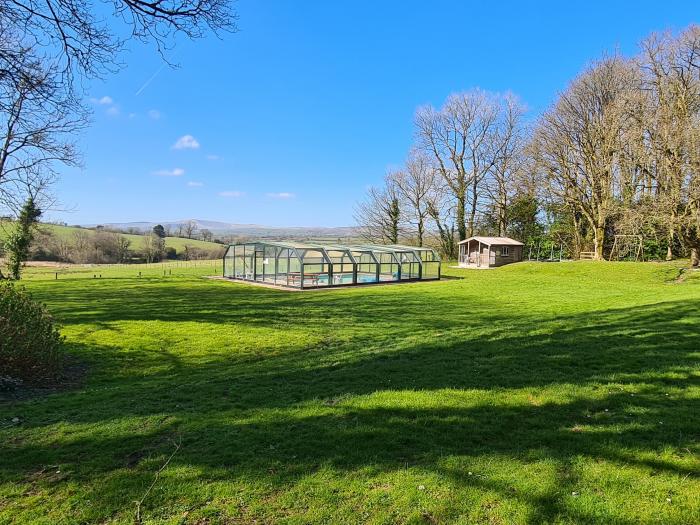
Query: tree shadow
point(368, 402)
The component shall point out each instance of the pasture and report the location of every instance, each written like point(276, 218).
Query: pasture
point(534, 393)
point(68, 232)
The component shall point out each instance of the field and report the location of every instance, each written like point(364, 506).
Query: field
point(66, 232)
point(534, 393)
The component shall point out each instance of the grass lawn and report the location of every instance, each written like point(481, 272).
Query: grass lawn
point(534, 393)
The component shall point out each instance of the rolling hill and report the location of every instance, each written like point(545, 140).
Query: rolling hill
point(245, 230)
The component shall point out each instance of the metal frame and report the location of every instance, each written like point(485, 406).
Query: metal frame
point(247, 254)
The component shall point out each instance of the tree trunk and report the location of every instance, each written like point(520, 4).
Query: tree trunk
point(502, 226)
point(461, 217)
point(472, 211)
point(598, 242)
point(694, 257)
point(669, 250)
point(577, 236)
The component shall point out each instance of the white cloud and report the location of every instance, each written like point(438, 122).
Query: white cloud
point(213, 157)
point(113, 111)
point(186, 142)
point(175, 172)
point(231, 194)
point(153, 114)
point(193, 184)
point(281, 195)
point(104, 101)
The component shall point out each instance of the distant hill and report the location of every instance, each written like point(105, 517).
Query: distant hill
point(244, 230)
point(66, 232)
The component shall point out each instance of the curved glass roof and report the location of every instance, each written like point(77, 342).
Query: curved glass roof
point(318, 265)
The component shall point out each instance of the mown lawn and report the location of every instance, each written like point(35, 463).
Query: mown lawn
point(535, 393)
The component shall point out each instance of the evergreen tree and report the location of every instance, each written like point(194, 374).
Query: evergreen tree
point(18, 242)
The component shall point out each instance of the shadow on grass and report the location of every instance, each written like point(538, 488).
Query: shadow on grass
point(286, 416)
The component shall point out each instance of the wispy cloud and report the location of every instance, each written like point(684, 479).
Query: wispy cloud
point(104, 101)
point(186, 142)
point(213, 157)
point(281, 195)
point(194, 184)
point(231, 194)
point(175, 172)
point(113, 111)
point(153, 114)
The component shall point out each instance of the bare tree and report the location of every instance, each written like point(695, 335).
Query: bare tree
point(44, 45)
point(379, 215)
point(206, 235)
point(510, 142)
point(189, 229)
point(578, 142)
point(39, 119)
point(82, 246)
point(414, 185)
point(153, 247)
point(441, 209)
point(464, 140)
point(671, 67)
point(83, 41)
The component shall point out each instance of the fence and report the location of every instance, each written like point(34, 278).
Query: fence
point(37, 271)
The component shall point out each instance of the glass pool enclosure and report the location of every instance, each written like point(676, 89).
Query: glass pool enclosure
point(310, 265)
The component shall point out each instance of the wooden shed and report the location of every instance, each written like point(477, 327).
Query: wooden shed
point(489, 252)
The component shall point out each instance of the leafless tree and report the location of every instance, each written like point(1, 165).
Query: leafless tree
point(578, 142)
point(39, 119)
point(414, 185)
point(510, 142)
point(153, 247)
point(379, 216)
point(671, 67)
point(206, 235)
point(466, 139)
point(441, 209)
point(189, 229)
point(82, 246)
point(86, 42)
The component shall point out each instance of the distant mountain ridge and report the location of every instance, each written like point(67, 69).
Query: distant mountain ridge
point(250, 230)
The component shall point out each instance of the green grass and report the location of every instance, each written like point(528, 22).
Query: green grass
point(66, 232)
point(535, 393)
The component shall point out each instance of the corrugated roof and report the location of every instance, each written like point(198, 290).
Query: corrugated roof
point(502, 241)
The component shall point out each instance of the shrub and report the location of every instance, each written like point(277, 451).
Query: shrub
point(30, 343)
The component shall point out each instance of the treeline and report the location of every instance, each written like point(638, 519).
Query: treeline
point(106, 247)
point(185, 230)
point(618, 153)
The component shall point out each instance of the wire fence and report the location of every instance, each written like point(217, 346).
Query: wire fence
point(57, 272)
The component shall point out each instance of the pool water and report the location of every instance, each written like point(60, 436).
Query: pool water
point(346, 278)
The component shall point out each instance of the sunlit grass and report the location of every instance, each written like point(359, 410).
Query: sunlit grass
point(533, 393)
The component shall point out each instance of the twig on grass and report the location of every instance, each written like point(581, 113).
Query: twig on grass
point(155, 480)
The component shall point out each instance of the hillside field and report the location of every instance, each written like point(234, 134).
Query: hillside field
point(533, 393)
point(178, 243)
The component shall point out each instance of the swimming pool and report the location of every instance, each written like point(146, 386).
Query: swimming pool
point(346, 278)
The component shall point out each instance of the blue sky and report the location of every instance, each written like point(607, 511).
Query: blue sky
point(289, 120)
